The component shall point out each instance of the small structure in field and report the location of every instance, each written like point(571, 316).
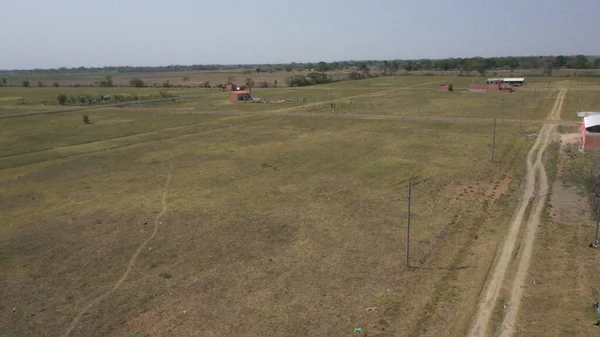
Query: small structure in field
point(514, 81)
point(491, 87)
point(446, 87)
point(590, 130)
point(240, 96)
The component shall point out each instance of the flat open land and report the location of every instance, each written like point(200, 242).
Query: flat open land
point(203, 217)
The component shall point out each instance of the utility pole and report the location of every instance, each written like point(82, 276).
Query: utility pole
point(408, 228)
point(494, 141)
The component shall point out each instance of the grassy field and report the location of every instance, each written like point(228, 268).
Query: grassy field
point(276, 225)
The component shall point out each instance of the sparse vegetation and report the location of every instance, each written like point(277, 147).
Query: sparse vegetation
point(346, 176)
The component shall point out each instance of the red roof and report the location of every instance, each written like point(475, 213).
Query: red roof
point(240, 92)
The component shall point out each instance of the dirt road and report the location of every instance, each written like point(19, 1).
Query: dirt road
point(535, 194)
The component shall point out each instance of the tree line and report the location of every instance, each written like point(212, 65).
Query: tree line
point(480, 64)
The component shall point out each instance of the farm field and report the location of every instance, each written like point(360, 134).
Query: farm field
point(260, 219)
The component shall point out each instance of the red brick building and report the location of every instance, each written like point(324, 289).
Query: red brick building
point(590, 130)
point(240, 96)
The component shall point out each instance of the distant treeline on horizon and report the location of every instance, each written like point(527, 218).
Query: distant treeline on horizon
point(480, 64)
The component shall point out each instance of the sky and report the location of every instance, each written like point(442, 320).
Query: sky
point(73, 33)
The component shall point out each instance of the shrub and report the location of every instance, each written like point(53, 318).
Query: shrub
point(55, 84)
point(355, 76)
point(62, 99)
point(25, 84)
point(165, 94)
point(136, 82)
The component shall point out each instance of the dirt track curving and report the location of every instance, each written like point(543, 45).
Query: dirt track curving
point(537, 183)
point(132, 261)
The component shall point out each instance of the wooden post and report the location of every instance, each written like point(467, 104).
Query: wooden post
point(408, 228)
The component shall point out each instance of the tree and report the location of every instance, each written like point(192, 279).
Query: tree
point(580, 62)
point(249, 82)
point(319, 78)
point(26, 83)
point(426, 64)
point(258, 70)
point(136, 82)
point(394, 67)
point(597, 63)
point(512, 63)
point(355, 76)
point(185, 78)
point(40, 84)
point(385, 66)
point(481, 69)
point(107, 82)
point(62, 99)
point(55, 84)
point(561, 61)
point(547, 65)
point(322, 67)
point(4, 81)
point(166, 84)
point(408, 66)
point(363, 67)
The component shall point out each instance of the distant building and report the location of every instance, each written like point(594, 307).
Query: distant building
point(446, 87)
point(514, 81)
point(491, 87)
point(590, 130)
point(240, 96)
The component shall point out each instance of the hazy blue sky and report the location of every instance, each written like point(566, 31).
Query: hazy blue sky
point(54, 33)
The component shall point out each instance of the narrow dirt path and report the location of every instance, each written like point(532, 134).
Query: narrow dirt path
point(341, 99)
point(490, 296)
point(132, 261)
point(533, 223)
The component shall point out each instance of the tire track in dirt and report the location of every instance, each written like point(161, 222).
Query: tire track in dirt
point(490, 296)
point(341, 99)
point(533, 223)
point(131, 263)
